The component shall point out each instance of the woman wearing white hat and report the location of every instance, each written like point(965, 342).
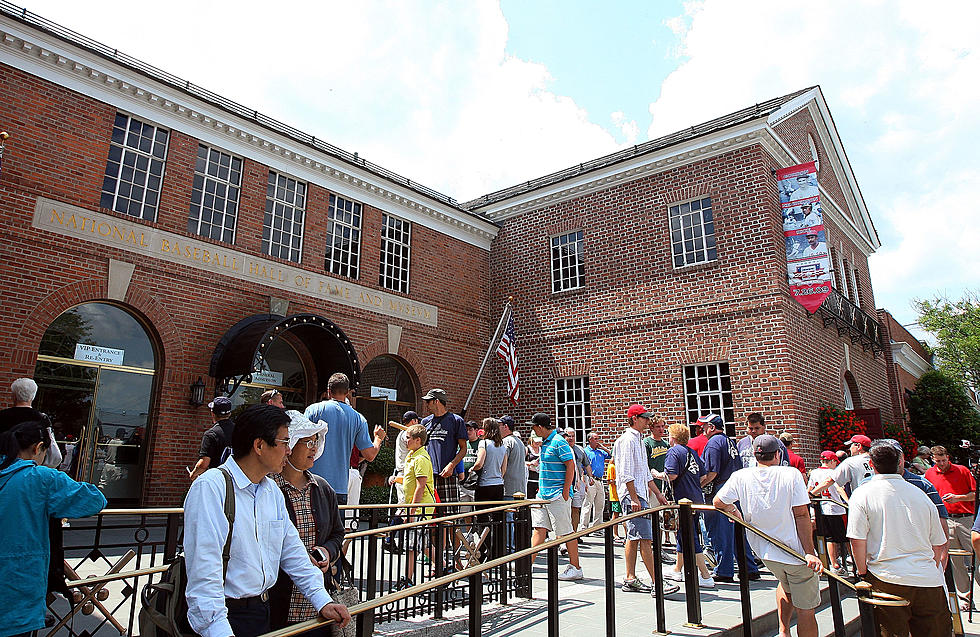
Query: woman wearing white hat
point(312, 505)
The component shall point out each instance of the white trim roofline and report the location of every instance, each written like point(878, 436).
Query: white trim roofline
point(47, 56)
point(908, 359)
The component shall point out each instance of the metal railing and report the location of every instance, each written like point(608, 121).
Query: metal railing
point(852, 321)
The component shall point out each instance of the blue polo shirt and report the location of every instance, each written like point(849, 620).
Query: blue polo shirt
point(928, 488)
point(721, 456)
point(555, 452)
point(597, 458)
point(686, 465)
point(346, 429)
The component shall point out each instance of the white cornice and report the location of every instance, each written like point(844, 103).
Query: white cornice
point(699, 149)
point(79, 70)
point(909, 360)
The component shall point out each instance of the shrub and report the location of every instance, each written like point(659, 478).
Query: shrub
point(940, 413)
point(906, 438)
point(384, 463)
point(837, 426)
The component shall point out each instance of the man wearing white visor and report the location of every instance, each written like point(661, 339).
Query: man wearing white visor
point(313, 509)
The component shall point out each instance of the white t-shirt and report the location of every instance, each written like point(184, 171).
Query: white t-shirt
point(854, 471)
point(767, 496)
point(401, 451)
point(901, 525)
point(828, 508)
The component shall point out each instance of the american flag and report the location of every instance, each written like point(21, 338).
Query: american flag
point(507, 350)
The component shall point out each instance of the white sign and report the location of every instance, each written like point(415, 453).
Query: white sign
point(267, 377)
point(384, 392)
point(106, 230)
point(96, 354)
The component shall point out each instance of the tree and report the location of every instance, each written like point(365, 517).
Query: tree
point(940, 413)
point(956, 326)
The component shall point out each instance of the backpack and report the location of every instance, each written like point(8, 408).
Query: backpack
point(164, 605)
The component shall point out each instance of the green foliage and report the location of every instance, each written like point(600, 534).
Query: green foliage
point(375, 495)
point(956, 326)
point(837, 426)
point(384, 463)
point(940, 413)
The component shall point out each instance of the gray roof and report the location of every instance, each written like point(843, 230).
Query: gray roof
point(763, 109)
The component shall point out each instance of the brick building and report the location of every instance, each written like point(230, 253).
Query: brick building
point(163, 244)
point(907, 360)
point(658, 275)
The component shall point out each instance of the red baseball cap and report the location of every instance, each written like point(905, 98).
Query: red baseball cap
point(828, 455)
point(639, 410)
point(864, 441)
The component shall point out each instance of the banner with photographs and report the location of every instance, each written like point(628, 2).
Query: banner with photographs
point(807, 256)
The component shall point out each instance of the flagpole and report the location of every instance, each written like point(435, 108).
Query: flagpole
point(493, 346)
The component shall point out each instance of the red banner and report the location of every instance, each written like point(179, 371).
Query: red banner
point(807, 255)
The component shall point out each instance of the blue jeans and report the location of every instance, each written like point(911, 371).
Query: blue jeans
point(721, 534)
point(510, 526)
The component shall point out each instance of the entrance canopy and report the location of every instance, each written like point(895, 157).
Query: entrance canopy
point(240, 352)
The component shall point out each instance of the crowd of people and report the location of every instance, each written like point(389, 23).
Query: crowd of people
point(263, 531)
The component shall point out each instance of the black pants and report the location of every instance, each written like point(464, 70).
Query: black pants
point(250, 620)
point(492, 493)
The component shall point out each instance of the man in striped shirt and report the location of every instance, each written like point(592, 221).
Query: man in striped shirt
point(556, 473)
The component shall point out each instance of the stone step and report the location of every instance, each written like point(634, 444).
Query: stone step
point(767, 623)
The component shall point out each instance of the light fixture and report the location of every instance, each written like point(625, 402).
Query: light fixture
point(197, 392)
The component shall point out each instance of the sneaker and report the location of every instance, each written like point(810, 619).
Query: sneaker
point(391, 547)
point(842, 572)
point(675, 576)
point(619, 541)
point(571, 573)
point(669, 589)
point(667, 558)
point(401, 584)
point(563, 551)
point(752, 577)
point(724, 579)
point(636, 586)
point(705, 582)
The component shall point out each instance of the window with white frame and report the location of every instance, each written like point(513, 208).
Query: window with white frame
point(840, 278)
point(692, 233)
point(396, 249)
point(567, 261)
point(134, 171)
point(343, 237)
point(214, 197)
point(707, 390)
point(282, 225)
point(573, 407)
point(855, 287)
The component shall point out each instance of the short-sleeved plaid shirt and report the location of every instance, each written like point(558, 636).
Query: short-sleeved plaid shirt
point(300, 608)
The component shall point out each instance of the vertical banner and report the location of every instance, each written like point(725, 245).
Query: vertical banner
point(807, 256)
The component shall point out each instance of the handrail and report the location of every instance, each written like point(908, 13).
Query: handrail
point(152, 570)
point(430, 521)
point(343, 507)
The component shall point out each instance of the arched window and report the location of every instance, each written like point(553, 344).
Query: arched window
point(95, 371)
point(387, 390)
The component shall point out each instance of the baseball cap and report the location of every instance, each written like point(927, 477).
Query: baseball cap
point(436, 394)
point(507, 420)
point(887, 442)
point(638, 410)
point(713, 419)
point(410, 416)
point(828, 455)
point(540, 419)
point(766, 443)
point(862, 440)
point(924, 449)
point(220, 405)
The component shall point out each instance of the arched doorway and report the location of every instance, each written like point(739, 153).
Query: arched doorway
point(285, 371)
point(387, 390)
point(96, 370)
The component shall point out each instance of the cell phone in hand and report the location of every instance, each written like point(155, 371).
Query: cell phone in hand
point(319, 554)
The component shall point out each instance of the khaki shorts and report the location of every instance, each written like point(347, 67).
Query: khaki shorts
point(555, 516)
point(799, 581)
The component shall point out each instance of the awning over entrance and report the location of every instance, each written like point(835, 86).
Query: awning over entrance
point(239, 353)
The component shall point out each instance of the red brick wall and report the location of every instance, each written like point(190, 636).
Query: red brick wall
point(58, 148)
point(638, 321)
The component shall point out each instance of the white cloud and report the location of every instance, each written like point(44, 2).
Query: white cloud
point(900, 79)
point(422, 88)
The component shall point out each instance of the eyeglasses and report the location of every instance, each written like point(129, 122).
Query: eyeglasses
point(284, 441)
point(311, 443)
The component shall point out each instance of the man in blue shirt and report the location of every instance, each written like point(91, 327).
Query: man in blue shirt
point(263, 541)
point(556, 473)
point(446, 446)
point(345, 429)
point(721, 460)
point(595, 489)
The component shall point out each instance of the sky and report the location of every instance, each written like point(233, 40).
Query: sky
point(471, 96)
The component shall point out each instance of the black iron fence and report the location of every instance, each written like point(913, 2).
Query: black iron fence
point(852, 321)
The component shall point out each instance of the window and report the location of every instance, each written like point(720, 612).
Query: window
point(840, 280)
point(567, 262)
point(856, 286)
point(396, 248)
point(135, 168)
point(708, 389)
point(282, 228)
point(214, 199)
point(343, 237)
point(573, 406)
point(692, 233)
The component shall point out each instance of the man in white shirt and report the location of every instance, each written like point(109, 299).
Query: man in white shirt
point(263, 541)
point(634, 483)
point(767, 493)
point(811, 217)
point(815, 247)
point(898, 546)
point(854, 471)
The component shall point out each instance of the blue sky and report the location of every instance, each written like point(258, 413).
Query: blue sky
point(468, 97)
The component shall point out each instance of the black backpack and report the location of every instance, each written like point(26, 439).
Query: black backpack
point(164, 606)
